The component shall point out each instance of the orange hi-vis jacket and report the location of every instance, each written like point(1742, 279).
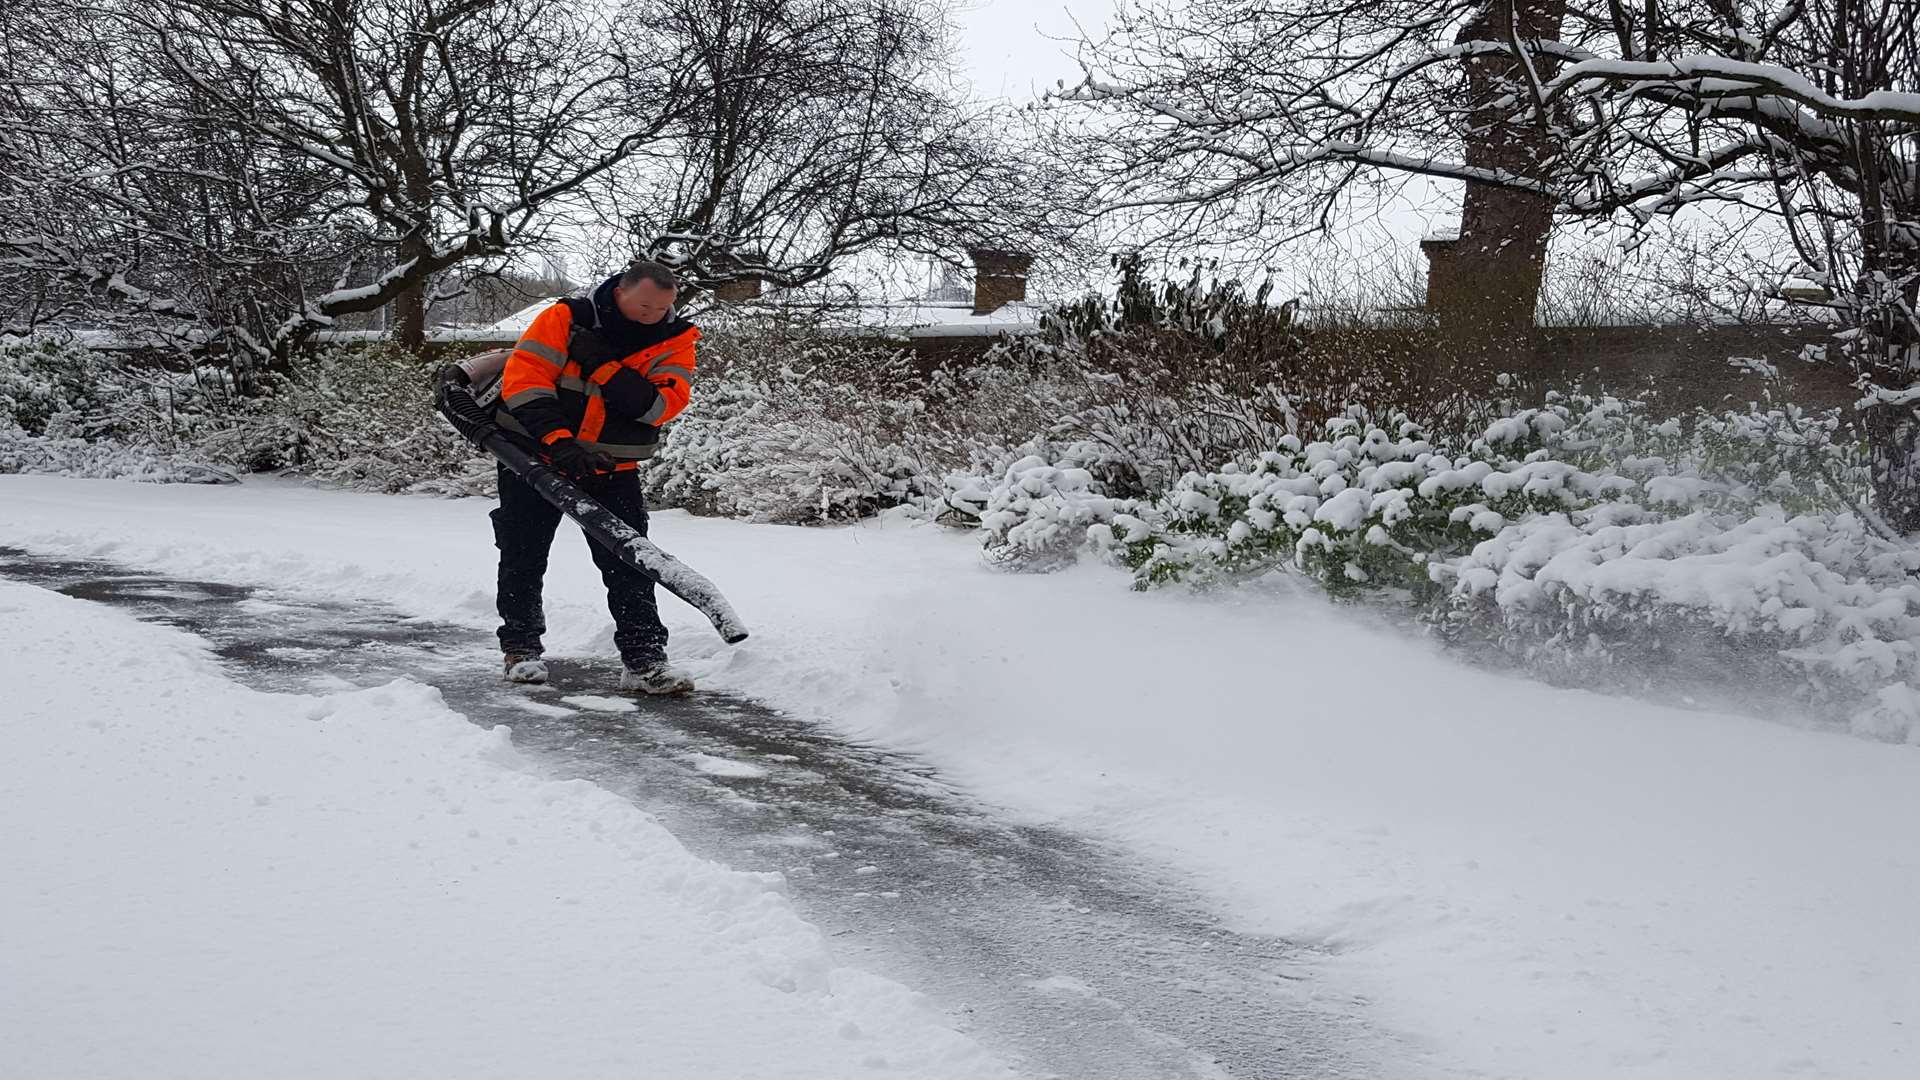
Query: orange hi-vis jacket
point(584, 373)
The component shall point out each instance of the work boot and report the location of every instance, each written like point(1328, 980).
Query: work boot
point(658, 677)
point(525, 668)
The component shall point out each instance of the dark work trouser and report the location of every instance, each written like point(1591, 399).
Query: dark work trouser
point(523, 527)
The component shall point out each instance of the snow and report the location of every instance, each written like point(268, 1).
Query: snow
point(716, 766)
point(1804, 288)
point(439, 335)
point(935, 319)
point(208, 881)
point(1016, 318)
point(1719, 76)
point(1509, 880)
point(518, 322)
point(1345, 510)
point(600, 703)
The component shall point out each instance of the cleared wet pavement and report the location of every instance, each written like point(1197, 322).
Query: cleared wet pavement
point(1069, 958)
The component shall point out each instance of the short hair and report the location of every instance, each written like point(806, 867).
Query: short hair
point(659, 273)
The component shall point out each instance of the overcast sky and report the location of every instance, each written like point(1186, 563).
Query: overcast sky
point(1007, 48)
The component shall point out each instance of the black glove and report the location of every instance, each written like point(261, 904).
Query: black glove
point(570, 457)
point(627, 392)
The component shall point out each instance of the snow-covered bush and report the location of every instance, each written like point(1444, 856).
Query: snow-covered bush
point(800, 428)
point(42, 380)
point(1732, 460)
point(360, 417)
point(68, 455)
point(67, 409)
point(1035, 519)
point(775, 449)
point(1362, 507)
point(1112, 403)
point(1815, 602)
point(1584, 540)
point(792, 425)
point(1168, 378)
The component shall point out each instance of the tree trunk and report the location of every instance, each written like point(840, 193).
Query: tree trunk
point(407, 316)
point(1887, 349)
point(1893, 430)
point(1893, 439)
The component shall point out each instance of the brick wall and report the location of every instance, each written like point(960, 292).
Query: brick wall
point(1676, 367)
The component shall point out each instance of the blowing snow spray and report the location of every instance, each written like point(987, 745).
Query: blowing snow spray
point(457, 403)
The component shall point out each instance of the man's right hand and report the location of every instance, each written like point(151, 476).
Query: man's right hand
point(570, 457)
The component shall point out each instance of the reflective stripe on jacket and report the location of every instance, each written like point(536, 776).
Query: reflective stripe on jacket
point(570, 378)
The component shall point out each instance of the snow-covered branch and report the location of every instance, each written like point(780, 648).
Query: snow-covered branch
point(1239, 114)
point(1713, 77)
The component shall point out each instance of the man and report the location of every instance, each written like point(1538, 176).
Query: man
point(593, 380)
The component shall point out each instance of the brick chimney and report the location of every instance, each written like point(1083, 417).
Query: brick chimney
point(1446, 292)
point(999, 278)
point(1486, 279)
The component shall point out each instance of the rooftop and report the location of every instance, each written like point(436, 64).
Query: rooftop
point(912, 318)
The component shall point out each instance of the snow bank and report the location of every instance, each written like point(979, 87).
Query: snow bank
point(1517, 881)
point(205, 881)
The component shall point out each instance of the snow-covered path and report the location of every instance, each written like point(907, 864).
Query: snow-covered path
point(205, 881)
point(1062, 957)
point(1517, 881)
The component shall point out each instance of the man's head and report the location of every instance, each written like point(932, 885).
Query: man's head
point(645, 291)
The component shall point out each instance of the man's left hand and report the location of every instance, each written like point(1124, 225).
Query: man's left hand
point(626, 391)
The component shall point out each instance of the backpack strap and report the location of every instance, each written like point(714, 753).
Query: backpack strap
point(584, 311)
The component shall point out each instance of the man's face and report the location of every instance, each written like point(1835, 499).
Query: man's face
point(643, 301)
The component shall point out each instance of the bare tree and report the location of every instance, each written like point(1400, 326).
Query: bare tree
point(822, 129)
point(117, 189)
point(1250, 121)
point(487, 294)
point(386, 140)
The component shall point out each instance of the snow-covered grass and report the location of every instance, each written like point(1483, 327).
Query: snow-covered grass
point(206, 881)
point(1507, 880)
